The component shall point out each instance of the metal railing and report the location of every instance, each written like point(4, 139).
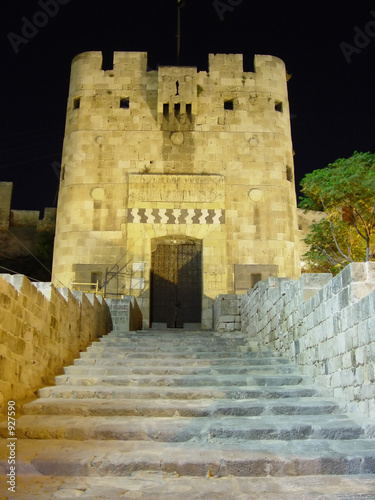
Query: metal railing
point(94, 288)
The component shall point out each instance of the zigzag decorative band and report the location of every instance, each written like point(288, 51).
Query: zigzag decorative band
point(175, 216)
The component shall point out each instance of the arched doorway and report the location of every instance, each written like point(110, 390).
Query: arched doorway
point(176, 282)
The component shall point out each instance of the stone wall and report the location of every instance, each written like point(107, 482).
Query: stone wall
point(227, 313)
point(125, 314)
point(6, 189)
point(326, 325)
point(23, 218)
point(176, 154)
point(23, 235)
point(41, 331)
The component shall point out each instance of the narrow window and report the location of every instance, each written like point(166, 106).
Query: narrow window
point(289, 174)
point(177, 108)
point(177, 87)
point(229, 104)
point(279, 106)
point(188, 110)
point(76, 103)
point(299, 227)
point(255, 278)
point(124, 103)
point(166, 110)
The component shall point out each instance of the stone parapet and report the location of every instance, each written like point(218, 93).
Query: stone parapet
point(325, 325)
point(41, 331)
point(227, 313)
point(125, 313)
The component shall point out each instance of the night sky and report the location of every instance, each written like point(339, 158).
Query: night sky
point(328, 47)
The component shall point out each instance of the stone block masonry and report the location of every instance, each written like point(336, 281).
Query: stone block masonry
point(227, 313)
point(326, 325)
point(41, 331)
point(155, 162)
point(21, 233)
point(125, 313)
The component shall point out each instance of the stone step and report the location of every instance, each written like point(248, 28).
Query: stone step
point(96, 370)
point(190, 393)
point(109, 347)
point(183, 381)
point(172, 340)
point(261, 458)
point(161, 340)
point(177, 333)
point(185, 354)
point(183, 429)
point(284, 428)
point(183, 408)
point(169, 362)
point(186, 405)
point(163, 486)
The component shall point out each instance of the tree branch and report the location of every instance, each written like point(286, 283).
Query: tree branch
point(329, 257)
point(372, 219)
point(355, 223)
point(349, 246)
point(346, 257)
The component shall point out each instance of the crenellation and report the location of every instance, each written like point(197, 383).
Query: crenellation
point(231, 62)
point(182, 123)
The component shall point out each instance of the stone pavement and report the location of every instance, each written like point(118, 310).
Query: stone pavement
point(179, 414)
point(159, 486)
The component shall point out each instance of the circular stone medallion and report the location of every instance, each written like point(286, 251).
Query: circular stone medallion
point(177, 138)
point(98, 194)
point(256, 195)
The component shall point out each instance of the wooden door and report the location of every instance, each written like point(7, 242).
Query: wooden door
point(176, 284)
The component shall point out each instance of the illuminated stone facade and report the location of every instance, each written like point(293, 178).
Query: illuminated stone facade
point(193, 166)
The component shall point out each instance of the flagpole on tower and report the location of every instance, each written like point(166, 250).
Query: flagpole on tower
point(180, 4)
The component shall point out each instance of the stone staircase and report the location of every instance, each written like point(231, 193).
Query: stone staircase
point(176, 414)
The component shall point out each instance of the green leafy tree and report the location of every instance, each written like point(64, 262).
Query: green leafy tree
point(44, 250)
point(345, 191)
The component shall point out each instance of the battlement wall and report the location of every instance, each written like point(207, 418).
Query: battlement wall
point(212, 107)
point(21, 232)
point(41, 332)
point(147, 91)
point(23, 218)
point(6, 189)
point(127, 127)
point(88, 64)
point(324, 324)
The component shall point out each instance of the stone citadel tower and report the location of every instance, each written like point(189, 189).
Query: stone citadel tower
point(176, 185)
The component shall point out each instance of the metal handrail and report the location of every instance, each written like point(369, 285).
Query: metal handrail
point(97, 291)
